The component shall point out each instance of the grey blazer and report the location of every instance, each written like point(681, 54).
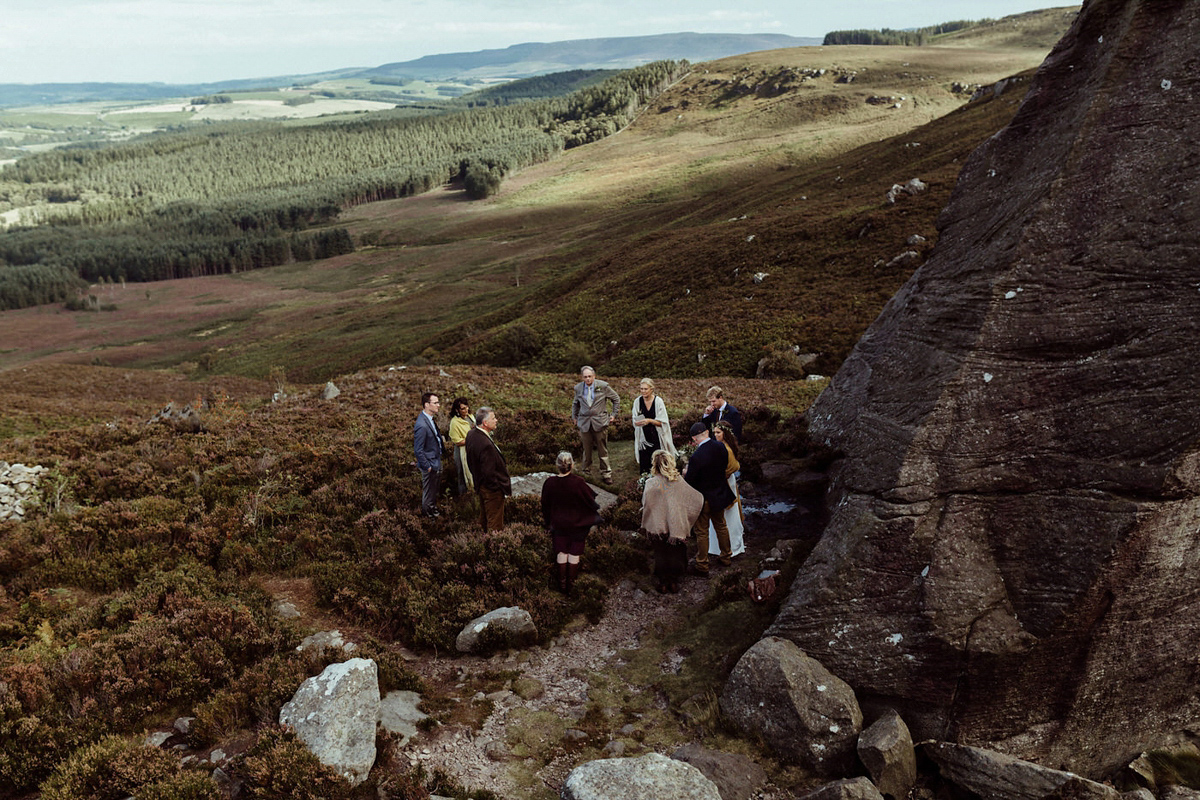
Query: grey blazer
point(594, 416)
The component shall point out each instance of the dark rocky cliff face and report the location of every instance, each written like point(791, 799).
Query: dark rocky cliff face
point(1013, 554)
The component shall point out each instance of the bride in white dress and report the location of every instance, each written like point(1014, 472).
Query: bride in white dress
point(723, 433)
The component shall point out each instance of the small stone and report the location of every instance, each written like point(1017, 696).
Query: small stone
point(286, 610)
point(158, 738)
point(497, 751)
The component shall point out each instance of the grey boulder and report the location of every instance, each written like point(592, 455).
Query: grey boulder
point(505, 627)
point(651, 775)
point(805, 713)
point(334, 715)
point(846, 789)
point(735, 775)
point(1003, 777)
point(886, 750)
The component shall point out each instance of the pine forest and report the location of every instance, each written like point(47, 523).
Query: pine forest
point(237, 196)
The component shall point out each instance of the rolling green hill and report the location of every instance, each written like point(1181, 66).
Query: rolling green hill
point(740, 216)
point(536, 58)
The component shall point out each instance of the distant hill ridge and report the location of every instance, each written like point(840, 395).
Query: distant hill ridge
point(517, 61)
point(535, 58)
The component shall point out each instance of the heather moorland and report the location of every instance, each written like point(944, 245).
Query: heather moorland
point(735, 230)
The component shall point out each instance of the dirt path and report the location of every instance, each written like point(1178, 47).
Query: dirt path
point(481, 759)
point(517, 722)
point(571, 674)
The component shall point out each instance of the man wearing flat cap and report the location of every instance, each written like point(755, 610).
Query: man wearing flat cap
point(706, 474)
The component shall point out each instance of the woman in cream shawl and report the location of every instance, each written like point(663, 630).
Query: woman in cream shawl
point(461, 424)
point(651, 427)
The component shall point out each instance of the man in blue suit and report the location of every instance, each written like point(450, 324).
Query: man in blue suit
point(428, 446)
point(706, 474)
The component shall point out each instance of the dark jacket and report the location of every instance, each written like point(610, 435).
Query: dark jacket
point(706, 474)
point(486, 463)
point(427, 443)
point(568, 505)
point(730, 415)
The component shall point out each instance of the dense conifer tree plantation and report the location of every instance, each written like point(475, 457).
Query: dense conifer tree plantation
point(239, 196)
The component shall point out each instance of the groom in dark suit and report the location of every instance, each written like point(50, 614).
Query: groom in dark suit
point(589, 411)
point(719, 409)
point(428, 446)
point(706, 474)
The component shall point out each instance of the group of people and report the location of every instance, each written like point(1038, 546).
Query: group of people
point(478, 462)
point(701, 502)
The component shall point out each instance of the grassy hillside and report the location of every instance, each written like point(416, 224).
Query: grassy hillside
point(1033, 29)
point(650, 240)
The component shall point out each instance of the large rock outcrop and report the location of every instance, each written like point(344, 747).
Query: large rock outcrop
point(1012, 552)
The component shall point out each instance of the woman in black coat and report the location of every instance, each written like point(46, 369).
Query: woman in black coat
point(570, 510)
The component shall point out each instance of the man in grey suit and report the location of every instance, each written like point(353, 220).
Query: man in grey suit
point(589, 410)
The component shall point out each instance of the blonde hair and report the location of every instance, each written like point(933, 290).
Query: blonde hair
point(716, 391)
point(663, 463)
point(646, 382)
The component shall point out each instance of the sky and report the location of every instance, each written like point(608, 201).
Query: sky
point(198, 41)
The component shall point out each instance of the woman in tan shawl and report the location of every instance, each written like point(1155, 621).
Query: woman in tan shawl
point(669, 510)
